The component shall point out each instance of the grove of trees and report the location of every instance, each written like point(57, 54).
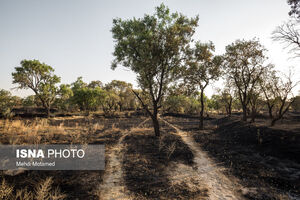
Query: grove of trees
point(172, 71)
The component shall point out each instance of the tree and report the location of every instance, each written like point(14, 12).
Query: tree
point(29, 101)
point(296, 104)
point(244, 66)
point(124, 91)
point(288, 34)
point(193, 105)
point(277, 94)
point(295, 8)
point(94, 84)
point(40, 79)
point(227, 95)
point(78, 84)
point(175, 104)
point(65, 94)
point(154, 48)
point(87, 98)
point(7, 103)
point(110, 103)
point(215, 102)
point(202, 68)
point(255, 102)
point(267, 84)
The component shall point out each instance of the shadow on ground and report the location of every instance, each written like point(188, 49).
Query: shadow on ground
point(266, 160)
point(145, 163)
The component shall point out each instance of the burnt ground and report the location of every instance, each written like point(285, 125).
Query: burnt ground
point(266, 160)
point(146, 165)
point(75, 184)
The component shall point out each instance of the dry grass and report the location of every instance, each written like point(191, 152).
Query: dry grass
point(161, 143)
point(43, 191)
point(41, 131)
point(140, 129)
point(57, 131)
point(5, 190)
point(170, 149)
point(97, 126)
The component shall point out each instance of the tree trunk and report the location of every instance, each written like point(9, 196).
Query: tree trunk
point(230, 107)
point(244, 113)
point(201, 111)
point(152, 115)
point(156, 126)
point(46, 107)
point(281, 112)
point(270, 111)
point(155, 120)
point(253, 115)
point(273, 121)
point(48, 112)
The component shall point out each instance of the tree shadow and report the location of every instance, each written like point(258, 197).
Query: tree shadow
point(145, 163)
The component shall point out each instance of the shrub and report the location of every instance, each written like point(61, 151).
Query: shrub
point(7, 102)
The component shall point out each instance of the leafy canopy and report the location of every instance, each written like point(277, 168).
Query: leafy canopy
point(153, 47)
point(202, 67)
point(39, 77)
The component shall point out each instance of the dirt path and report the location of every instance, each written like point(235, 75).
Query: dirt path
point(113, 187)
point(220, 187)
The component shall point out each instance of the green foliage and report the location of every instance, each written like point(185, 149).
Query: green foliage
point(38, 77)
point(110, 103)
point(193, 106)
point(175, 104)
point(65, 94)
point(215, 102)
point(202, 67)
point(227, 98)
point(116, 95)
point(244, 67)
point(7, 103)
point(154, 47)
point(183, 104)
point(88, 98)
point(78, 84)
point(29, 101)
point(296, 104)
point(94, 84)
point(126, 99)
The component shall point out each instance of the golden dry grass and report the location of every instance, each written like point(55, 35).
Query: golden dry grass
point(40, 131)
point(43, 191)
point(140, 129)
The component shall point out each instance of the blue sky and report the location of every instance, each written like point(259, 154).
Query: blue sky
point(74, 37)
